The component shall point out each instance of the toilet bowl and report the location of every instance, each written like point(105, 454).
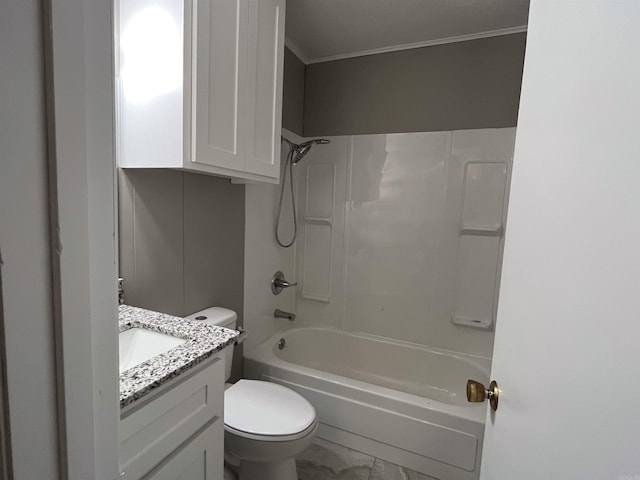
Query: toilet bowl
point(266, 425)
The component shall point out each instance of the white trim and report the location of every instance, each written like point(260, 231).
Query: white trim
point(292, 137)
point(82, 186)
point(296, 50)
point(407, 46)
point(27, 313)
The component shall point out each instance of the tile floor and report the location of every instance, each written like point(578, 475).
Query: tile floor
point(328, 461)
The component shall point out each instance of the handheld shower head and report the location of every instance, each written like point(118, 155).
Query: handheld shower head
point(302, 149)
point(295, 154)
point(319, 141)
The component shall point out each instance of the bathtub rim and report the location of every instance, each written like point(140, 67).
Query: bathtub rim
point(264, 353)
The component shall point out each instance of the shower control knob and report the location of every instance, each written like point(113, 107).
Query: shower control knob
point(279, 283)
point(477, 393)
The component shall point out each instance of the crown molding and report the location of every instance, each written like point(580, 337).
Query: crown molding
point(296, 50)
point(406, 46)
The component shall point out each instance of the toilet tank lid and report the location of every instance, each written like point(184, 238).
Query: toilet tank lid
point(221, 317)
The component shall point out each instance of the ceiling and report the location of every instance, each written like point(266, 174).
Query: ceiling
point(320, 30)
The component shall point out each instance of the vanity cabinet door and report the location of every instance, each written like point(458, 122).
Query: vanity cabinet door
point(202, 458)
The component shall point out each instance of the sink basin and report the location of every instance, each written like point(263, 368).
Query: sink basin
point(138, 345)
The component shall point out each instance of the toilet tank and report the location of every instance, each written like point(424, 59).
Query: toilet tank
point(220, 317)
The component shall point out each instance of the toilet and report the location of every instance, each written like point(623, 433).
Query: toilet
point(265, 424)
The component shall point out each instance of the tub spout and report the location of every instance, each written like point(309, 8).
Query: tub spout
point(277, 313)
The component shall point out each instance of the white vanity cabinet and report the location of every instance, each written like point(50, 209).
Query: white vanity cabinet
point(196, 460)
point(178, 432)
point(199, 86)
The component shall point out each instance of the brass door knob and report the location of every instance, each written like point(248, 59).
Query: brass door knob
point(477, 393)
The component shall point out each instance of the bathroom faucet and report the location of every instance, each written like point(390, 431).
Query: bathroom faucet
point(277, 313)
point(279, 283)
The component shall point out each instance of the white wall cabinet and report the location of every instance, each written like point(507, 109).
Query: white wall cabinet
point(199, 86)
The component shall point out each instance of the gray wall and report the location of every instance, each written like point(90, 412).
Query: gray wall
point(464, 85)
point(181, 241)
point(293, 94)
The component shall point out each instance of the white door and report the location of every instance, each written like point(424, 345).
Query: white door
point(567, 351)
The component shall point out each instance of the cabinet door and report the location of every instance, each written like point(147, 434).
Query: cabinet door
point(219, 83)
point(200, 459)
point(149, 82)
point(266, 60)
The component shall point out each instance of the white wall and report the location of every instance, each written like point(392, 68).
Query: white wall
point(401, 232)
point(263, 257)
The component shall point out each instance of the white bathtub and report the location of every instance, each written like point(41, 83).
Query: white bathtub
point(397, 401)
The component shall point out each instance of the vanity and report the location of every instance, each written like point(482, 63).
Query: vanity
point(172, 374)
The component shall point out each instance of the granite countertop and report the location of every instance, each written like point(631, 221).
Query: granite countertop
point(203, 341)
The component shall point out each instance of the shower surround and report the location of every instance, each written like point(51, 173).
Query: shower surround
point(401, 235)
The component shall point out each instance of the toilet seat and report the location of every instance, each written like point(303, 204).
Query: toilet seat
point(272, 438)
point(264, 410)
